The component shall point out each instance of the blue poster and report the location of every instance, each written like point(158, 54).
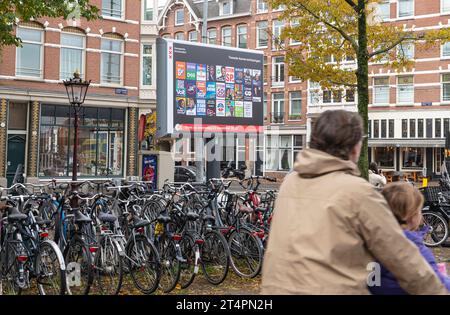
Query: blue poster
point(149, 169)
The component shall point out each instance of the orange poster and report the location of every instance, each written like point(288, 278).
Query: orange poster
point(181, 70)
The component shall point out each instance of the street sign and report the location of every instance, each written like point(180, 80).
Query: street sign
point(122, 91)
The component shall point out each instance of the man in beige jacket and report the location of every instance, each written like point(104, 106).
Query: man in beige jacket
point(329, 223)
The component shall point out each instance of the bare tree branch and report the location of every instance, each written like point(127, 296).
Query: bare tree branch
point(352, 4)
point(393, 45)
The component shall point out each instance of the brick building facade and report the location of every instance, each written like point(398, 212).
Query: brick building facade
point(36, 125)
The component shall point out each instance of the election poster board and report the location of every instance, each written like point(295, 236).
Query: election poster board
point(223, 86)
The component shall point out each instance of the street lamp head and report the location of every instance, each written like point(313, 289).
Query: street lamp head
point(76, 89)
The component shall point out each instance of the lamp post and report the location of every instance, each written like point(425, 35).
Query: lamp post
point(76, 90)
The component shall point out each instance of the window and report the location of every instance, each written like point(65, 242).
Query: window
point(111, 67)
point(29, 56)
point(242, 36)
point(277, 30)
point(100, 148)
point(295, 106)
point(405, 90)
point(314, 92)
point(282, 150)
point(294, 23)
point(166, 36)
point(385, 10)
point(71, 55)
point(446, 87)
point(226, 36)
point(369, 129)
point(147, 53)
point(148, 10)
point(280, 8)
point(404, 128)
point(405, 8)
point(265, 69)
point(381, 91)
point(212, 36)
point(413, 157)
point(391, 128)
point(179, 36)
point(278, 70)
point(261, 6)
point(384, 156)
point(350, 95)
point(406, 50)
point(412, 128)
point(383, 128)
point(437, 128)
point(445, 50)
point(277, 108)
point(179, 17)
point(429, 128)
point(446, 126)
point(193, 36)
point(112, 8)
point(420, 128)
point(445, 6)
point(226, 8)
point(376, 128)
point(262, 37)
point(265, 104)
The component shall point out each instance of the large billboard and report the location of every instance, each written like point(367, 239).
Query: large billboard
point(222, 86)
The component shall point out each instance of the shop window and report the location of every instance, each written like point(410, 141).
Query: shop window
point(384, 156)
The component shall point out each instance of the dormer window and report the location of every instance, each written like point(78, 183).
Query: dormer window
point(179, 17)
point(226, 7)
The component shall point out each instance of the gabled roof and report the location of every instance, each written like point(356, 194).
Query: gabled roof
point(193, 11)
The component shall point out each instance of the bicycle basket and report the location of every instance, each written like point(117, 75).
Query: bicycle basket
point(431, 194)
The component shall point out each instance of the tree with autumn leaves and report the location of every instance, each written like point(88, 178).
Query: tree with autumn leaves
point(347, 30)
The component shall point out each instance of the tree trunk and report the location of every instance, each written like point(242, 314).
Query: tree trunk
point(363, 84)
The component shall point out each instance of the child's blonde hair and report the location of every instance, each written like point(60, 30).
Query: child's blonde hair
point(403, 199)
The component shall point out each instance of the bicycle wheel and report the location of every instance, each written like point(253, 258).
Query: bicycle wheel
point(108, 269)
point(191, 253)
point(246, 253)
point(438, 229)
point(170, 265)
point(215, 257)
point(10, 271)
point(143, 264)
point(79, 263)
point(50, 269)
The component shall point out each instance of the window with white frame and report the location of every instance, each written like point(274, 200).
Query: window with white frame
point(179, 17)
point(264, 104)
point(350, 95)
point(314, 92)
point(295, 105)
point(384, 10)
point(29, 57)
point(262, 37)
point(111, 66)
point(179, 36)
point(226, 7)
point(278, 70)
point(405, 8)
point(281, 151)
point(445, 50)
point(277, 113)
point(112, 8)
point(193, 36)
point(226, 36)
point(212, 36)
point(446, 87)
point(241, 36)
point(406, 50)
point(277, 29)
point(261, 6)
point(71, 55)
point(445, 6)
point(294, 23)
point(405, 89)
point(147, 65)
point(148, 10)
point(280, 8)
point(381, 90)
point(265, 69)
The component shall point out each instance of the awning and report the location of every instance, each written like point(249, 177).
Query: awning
point(413, 143)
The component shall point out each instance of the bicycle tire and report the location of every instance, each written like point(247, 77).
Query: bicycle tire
point(211, 247)
point(168, 259)
point(9, 271)
point(79, 249)
point(54, 256)
point(437, 223)
point(191, 253)
point(245, 247)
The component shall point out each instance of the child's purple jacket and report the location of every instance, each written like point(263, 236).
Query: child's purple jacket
point(390, 286)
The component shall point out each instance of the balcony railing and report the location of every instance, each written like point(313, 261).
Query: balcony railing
point(277, 117)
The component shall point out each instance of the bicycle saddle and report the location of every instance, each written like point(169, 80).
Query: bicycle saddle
point(15, 215)
point(107, 217)
point(81, 218)
point(192, 216)
point(138, 223)
point(41, 221)
point(164, 219)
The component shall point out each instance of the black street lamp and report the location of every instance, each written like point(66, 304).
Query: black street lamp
point(76, 90)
